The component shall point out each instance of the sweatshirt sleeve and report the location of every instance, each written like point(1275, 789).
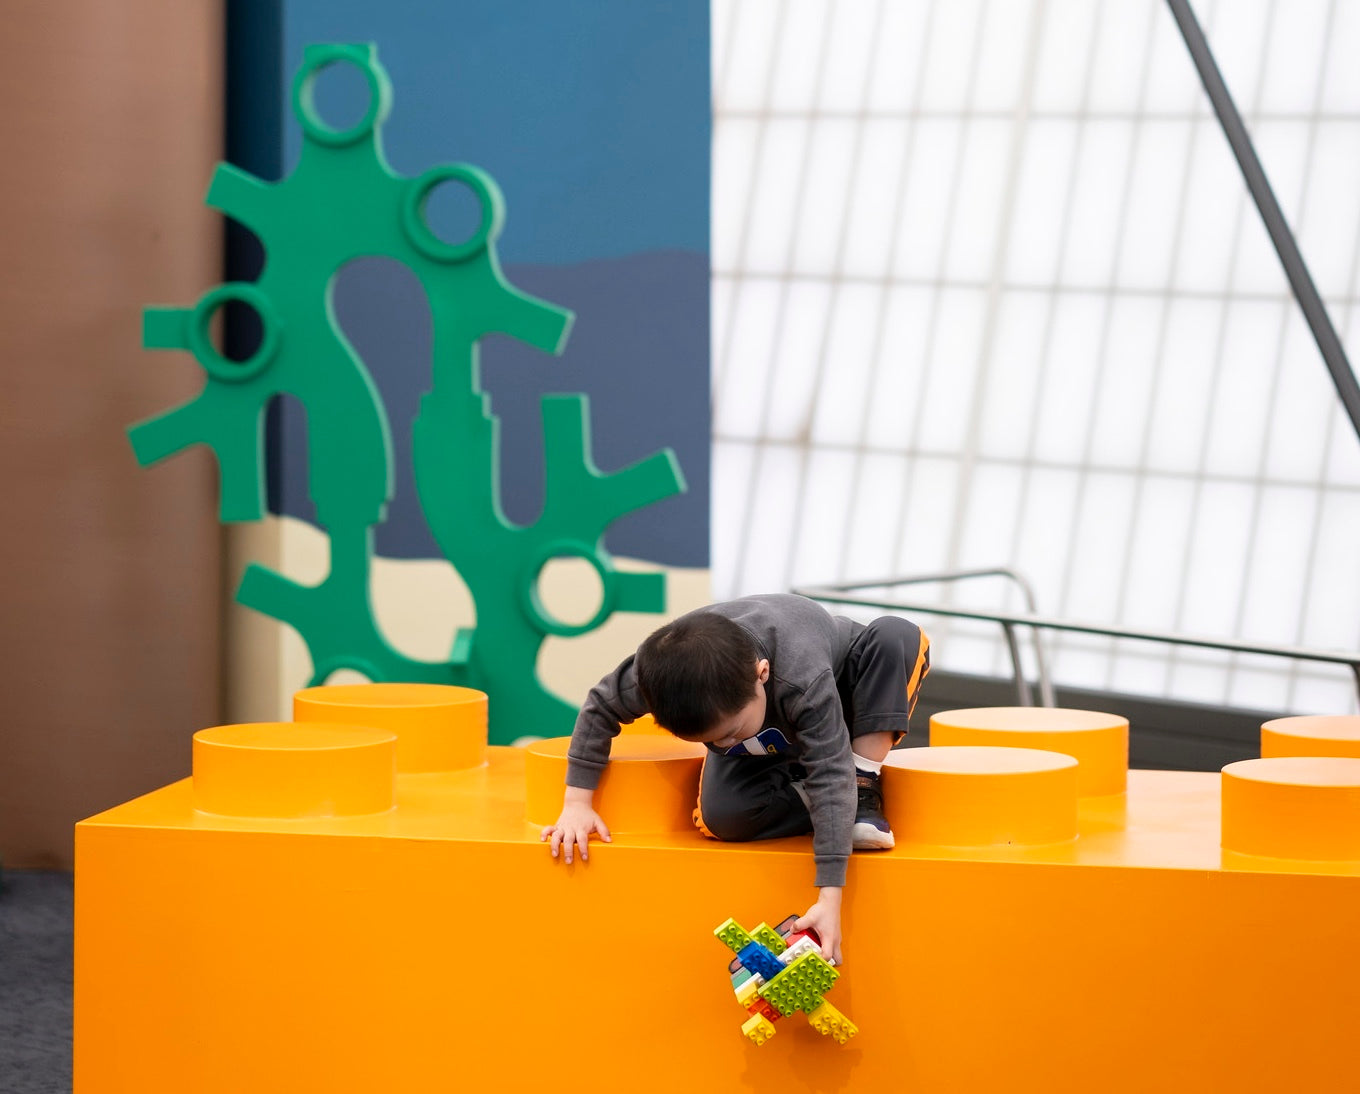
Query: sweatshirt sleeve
point(613, 701)
point(825, 753)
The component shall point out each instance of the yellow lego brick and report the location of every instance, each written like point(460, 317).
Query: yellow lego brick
point(830, 1022)
point(768, 937)
point(759, 1028)
point(746, 990)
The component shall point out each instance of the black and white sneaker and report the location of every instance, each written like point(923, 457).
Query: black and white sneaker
point(872, 831)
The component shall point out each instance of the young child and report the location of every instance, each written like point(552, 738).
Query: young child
point(798, 709)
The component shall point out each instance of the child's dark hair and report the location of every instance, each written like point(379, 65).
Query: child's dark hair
point(696, 671)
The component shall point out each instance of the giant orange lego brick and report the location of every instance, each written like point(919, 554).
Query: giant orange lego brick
point(435, 945)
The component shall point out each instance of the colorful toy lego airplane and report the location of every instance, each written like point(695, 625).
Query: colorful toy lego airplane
point(779, 971)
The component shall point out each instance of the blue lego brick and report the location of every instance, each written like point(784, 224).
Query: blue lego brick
point(760, 961)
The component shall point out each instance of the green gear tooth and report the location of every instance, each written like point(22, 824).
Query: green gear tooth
point(531, 321)
point(589, 497)
point(243, 197)
point(239, 451)
point(343, 202)
point(165, 328)
point(501, 562)
point(638, 592)
point(339, 629)
point(175, 430)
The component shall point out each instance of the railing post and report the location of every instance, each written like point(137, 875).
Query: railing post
point(1021, 684)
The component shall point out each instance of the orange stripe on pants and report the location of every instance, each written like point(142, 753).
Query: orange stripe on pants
point(919, 672)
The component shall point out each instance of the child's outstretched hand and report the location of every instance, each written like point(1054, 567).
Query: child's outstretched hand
point(574, 827)
point(824, 917)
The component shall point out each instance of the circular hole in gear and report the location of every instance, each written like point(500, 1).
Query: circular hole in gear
point(570, 590)
point(341, 95)
point(235, 330)
point(238, 331)
point(453, 212)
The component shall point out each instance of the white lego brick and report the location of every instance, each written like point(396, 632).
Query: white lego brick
point(802, 946)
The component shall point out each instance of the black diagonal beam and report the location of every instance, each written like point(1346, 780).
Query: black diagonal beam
point(1300, 281)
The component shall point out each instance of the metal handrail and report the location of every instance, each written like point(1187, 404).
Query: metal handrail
point(840, 594)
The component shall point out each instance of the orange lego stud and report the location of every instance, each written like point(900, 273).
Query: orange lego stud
point(650, 785)
point(975, 796)
point(438, 727)
point(288, 771)
point(1098, 742)
point(1293, 807)
point(1312, 735)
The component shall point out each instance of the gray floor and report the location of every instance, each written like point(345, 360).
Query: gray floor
point(35, 982)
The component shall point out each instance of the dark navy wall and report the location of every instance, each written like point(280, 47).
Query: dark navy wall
point(593, 116)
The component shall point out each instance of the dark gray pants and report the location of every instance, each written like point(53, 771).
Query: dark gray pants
point(745, 797)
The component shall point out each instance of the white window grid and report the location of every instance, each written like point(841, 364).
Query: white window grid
point(989, 290)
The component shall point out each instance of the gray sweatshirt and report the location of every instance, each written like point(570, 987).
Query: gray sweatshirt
point(806, 647)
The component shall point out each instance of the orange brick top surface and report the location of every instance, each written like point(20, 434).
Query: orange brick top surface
point(1167, 820)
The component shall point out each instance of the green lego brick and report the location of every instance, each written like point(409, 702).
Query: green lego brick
point(733, 935)
point(814, 971)
point(768, 937)
point(800, 986)
point(789, 999)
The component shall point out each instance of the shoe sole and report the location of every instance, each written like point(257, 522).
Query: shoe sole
point(865, 837)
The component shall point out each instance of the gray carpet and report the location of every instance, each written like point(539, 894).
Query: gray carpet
point(35, 982)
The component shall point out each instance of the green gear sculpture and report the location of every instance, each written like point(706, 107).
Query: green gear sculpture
point(343, 202)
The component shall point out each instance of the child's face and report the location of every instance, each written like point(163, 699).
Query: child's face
point(748, 721)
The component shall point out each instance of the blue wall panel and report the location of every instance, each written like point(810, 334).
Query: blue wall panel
point(594, 119)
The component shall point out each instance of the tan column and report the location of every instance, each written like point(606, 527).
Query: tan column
point(110, 601)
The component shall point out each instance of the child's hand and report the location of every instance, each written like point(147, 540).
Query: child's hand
point(574, 827)
point(824, 917)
